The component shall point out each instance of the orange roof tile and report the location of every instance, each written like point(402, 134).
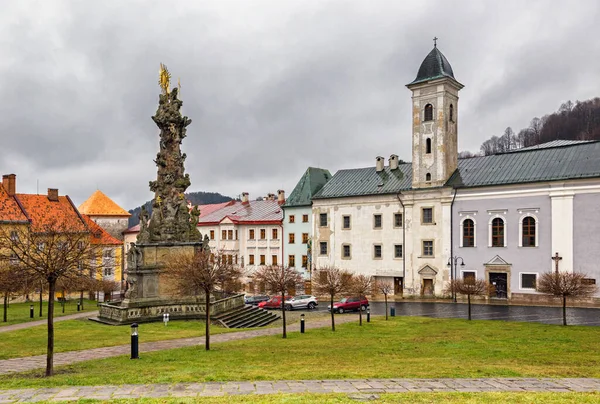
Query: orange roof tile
point(44, 212)
point(10, 211)
point(100, 236)
point(101, 205)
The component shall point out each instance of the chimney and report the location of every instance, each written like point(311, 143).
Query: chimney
point(9, 182)
point(393, 162)
point(244, 197)
point(53, 194)
point(270, 197)
point(379, 162)
point(281, 196)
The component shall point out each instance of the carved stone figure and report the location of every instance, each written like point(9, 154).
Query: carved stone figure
point(132, 292)
point(171, 220)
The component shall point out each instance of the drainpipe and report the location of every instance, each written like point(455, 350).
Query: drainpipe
point(452, 263)
point(403, 243)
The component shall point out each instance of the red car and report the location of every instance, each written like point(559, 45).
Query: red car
point(354, 303)
point(273, 303)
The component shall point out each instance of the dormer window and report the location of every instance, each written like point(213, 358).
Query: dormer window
point(428, 112)
point(428, 177)
point(451, 113)
point(428, 146)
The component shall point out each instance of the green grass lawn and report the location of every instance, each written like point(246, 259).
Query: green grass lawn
point(415, 398)
point(74, 335)
point(402, 347)
point(19, 312)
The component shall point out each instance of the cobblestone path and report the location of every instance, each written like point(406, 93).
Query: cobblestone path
point(361, 386)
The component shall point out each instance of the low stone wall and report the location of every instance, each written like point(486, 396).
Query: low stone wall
point(154, 310)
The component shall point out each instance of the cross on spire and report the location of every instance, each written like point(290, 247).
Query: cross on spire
point(435, 38)
point(556, 258)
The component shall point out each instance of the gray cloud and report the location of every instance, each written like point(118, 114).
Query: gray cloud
point(271, 86)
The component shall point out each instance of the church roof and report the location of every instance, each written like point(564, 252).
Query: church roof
point(367, 181)
point(311, 182)
point(101, 205)
point(434, 66)
point(569, 161)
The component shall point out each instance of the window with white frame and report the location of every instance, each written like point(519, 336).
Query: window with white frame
point(467, 232)
point(528, 231)
point(397, 250)
point(468, 275)
point(108, 261)
point(497, 232)
point(346, 251)
point(528, 280)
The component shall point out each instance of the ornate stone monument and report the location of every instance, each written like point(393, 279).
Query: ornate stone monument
point(171, 227)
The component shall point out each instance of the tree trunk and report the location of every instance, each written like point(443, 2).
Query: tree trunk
point(41, 302)
point(469, 303)
point(283, 313)
point(332, 316)
point(81, 300)
point(207, 327)
point(5, 307)
point(564, 310)
point(50, 350)
point(386, 307)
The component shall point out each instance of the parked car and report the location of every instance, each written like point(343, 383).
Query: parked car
point(301, 302)
point(254, 300)
point(354, 303)
point(273, 303)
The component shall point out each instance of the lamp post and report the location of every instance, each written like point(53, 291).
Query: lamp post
point(134, 342)
point(452, 263)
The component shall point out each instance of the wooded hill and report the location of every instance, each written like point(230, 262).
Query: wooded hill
point(196, 198)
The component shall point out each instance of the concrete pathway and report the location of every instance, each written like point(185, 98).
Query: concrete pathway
point(30, 324)
point(65, 358)
point(359, 387)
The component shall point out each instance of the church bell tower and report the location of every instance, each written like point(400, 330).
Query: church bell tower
point(435, 121)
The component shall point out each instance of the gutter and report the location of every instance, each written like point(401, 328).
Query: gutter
point(452, 263)
point(403, 242)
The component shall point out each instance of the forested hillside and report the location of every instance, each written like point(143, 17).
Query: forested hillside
point(572, 121)
point(197, 198)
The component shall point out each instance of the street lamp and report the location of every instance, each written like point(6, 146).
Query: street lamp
point(452, 263)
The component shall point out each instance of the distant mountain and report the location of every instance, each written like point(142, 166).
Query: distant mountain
point(197, 198)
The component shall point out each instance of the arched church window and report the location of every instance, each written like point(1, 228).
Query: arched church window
point(428, 146)
point(468, 233)
point(428, 177)
point(498, 232)
point(429, 112)
point(528, 232)
point(451, 113)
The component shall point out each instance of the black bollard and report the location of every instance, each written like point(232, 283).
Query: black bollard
point(134, 342)
point(302, 324)
point(393, 311)
point(31, 311)
point(78, 306)
point(368, 314)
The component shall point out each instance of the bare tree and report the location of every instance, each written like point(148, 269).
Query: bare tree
point(279, 279)
point(468, 287)
point(565, 285)
point(385, 288)
point(361, 286)
point(199, 273)
point(11, 283)
point(332, 281)
point(52, 250)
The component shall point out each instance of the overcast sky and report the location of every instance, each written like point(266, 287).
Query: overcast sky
point(272, 87)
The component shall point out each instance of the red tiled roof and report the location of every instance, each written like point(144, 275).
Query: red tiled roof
point(98, 204)
point(266, 212)
point(132, 229)
point(10, 211)
point(98, 234)
point(44, 212)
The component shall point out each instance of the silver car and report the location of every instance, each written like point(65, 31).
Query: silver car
point(301, 302)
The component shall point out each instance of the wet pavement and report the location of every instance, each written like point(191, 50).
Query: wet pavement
point(533, 314)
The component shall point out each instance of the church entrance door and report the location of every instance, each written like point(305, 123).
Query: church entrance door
point(397, 286)
point(499, 281)
point(428, 287)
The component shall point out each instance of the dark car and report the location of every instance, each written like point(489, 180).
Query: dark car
point(255, 300)
point(354, 303)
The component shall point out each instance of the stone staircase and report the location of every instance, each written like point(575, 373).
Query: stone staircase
point(246, 317)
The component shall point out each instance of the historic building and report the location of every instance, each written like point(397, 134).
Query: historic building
point(297, 220)
point(106, 213)
point(503, 216)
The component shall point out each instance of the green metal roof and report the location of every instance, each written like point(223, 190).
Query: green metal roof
point(571, 161)
point(434, 66)
point(367, 181)
point(310, 183)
